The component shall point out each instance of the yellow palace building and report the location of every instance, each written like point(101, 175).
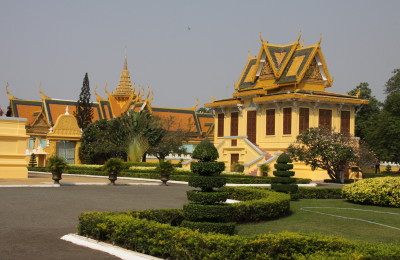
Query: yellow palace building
point(281, 92)
point(53, 130)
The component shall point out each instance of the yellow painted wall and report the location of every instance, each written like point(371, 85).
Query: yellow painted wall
point(273, 143)
point(12, 148)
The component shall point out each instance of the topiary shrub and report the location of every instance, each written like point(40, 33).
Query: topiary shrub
point(384, 191)
point(113, 167)
point(32, 160)
point(205, 152)
point(206, 210)
point(237, 167)
point(282, 181)
point(265, 169)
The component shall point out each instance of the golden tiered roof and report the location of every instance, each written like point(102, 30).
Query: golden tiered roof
point(124, 89)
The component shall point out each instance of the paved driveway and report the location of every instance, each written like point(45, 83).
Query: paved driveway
point(33, 219)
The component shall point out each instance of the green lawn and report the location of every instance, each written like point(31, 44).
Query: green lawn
point(312, 222)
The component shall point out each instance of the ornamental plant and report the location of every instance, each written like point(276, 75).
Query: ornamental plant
point(32, 160)
point(113, 166)
point(283, 181)
point(207, 210)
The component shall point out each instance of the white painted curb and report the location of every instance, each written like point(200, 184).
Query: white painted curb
point(107, 248)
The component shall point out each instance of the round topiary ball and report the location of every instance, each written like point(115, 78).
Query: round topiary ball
point(284, 158)
point(205, 152)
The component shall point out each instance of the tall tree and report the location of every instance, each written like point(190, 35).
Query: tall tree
point(384, 135)
point(393, 84)
point(84, 113)
point(365, 112)
point(101, 141)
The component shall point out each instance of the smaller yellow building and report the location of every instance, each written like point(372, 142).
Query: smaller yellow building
point(280, 93)
point(12, 148)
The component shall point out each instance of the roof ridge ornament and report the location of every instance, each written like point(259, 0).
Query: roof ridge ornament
point(44, 96)
point(66, 111)
point(299, 37)
point(320, 39)
point(10, 96)
point(261, 38)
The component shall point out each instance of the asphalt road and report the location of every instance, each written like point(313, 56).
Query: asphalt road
point(33, 219)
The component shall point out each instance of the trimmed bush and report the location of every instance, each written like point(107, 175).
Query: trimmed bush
point(205, 152)
point(287, 188)
point(383, 191)
point(282, 182)
point(283, 167)
point(207, 178)
point(237, 167)
point(258, 204)
point(216, 227)
point(165, 241)
point(202, 198)
point(206, 183)
point(207, 168)
point(319, 193)
point(216, 213)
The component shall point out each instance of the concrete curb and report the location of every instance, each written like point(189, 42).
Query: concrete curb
point(107, 248)
point(157, 182)
point(31, 186)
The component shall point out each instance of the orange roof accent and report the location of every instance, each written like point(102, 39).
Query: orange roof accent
point(177, 121)
point(27, 111)
point(205, 122)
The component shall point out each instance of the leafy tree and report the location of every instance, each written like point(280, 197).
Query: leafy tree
point(393, 84)
point(365, 112)
point(171, 141)
point(84, 113)
point(204, 110)
point(101, 141)
point(325, 149)
point(141, 131)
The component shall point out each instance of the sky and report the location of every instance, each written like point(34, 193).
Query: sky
point(185, 50)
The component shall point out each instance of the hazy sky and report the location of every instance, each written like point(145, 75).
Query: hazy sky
point(57, 42)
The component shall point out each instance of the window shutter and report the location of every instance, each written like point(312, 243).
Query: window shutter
point(251, 126)
point(220, 125)
point(304, 119)
point(287, 121)
point(345, 122)
point(325, 118)
point(270, 122)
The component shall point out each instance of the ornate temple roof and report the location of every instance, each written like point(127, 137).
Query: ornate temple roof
point(124, 88)
point(43, 114)
point(282, 69)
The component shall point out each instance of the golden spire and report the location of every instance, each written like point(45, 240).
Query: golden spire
point(10, 96)
point(124, 88)
point(41, 92)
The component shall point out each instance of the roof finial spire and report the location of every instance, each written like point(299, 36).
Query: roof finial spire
point(261, 38)
point(320, 39)
point(298, 38)
point(10, 96)
point(248, 54)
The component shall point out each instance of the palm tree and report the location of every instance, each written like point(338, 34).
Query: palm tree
point(141, 130)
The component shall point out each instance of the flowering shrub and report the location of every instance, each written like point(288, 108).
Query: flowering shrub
point(383, 191)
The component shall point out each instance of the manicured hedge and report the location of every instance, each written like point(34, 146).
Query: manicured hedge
point(206, 182)
point(257, 204)
point(207, 168)
point(177, 176)
point(166, 241)
point(319, 193)
point(196, 196)
point(383, 191)
point(216, 213)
